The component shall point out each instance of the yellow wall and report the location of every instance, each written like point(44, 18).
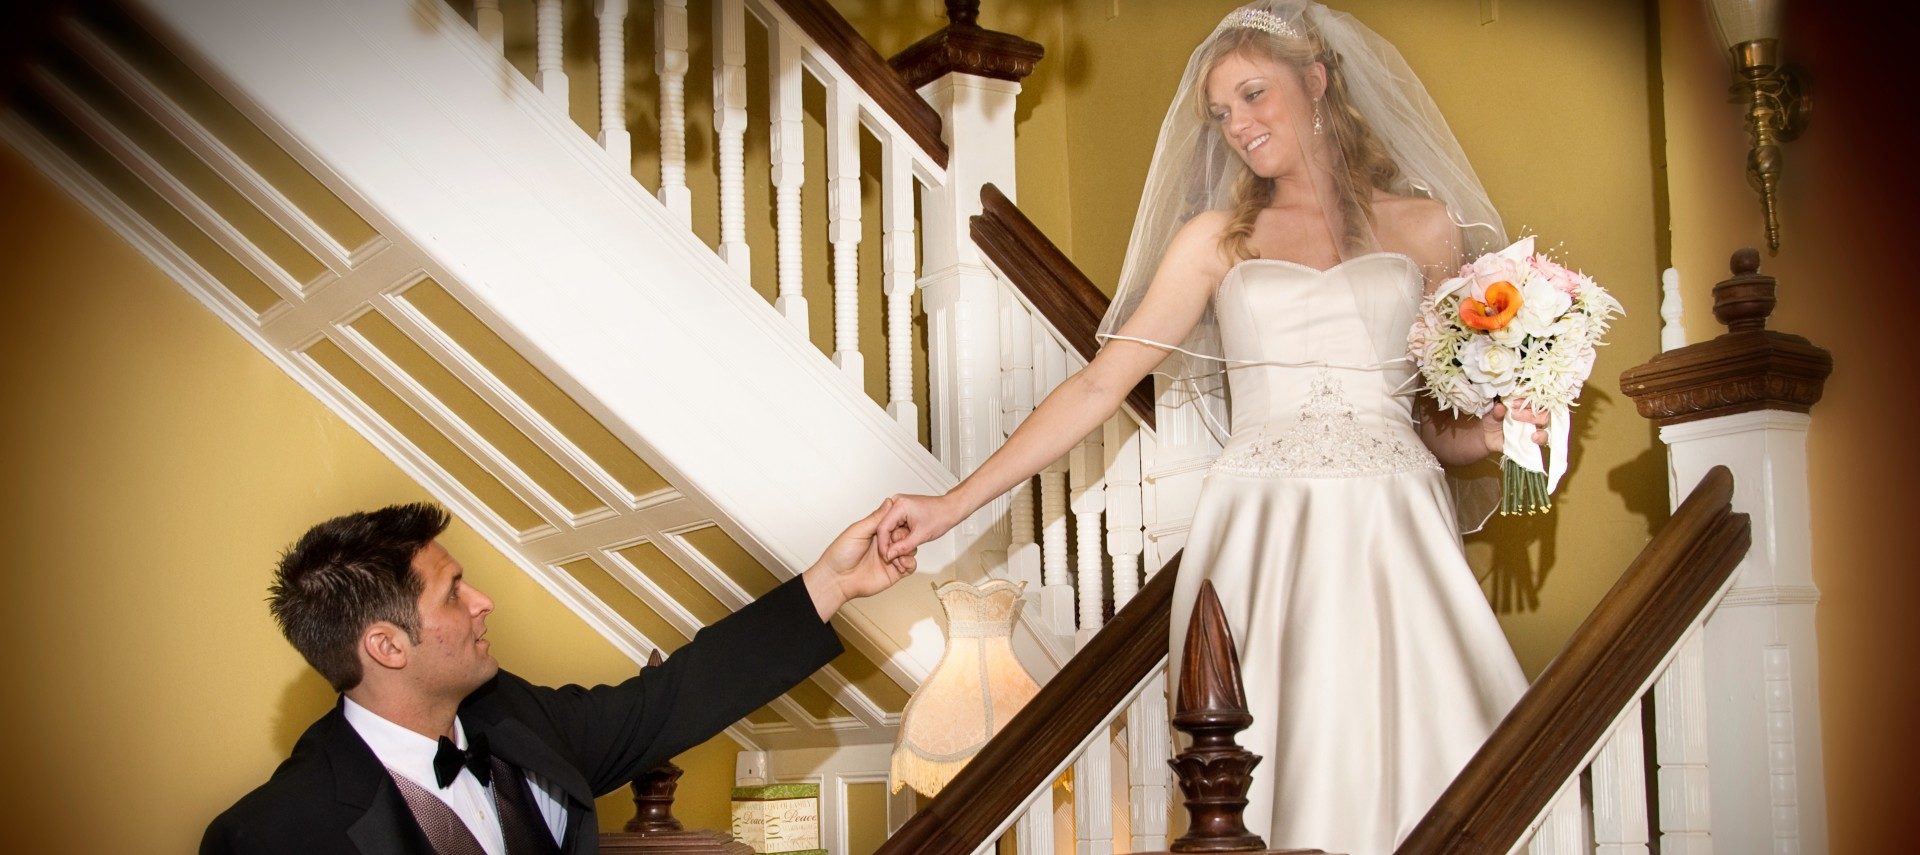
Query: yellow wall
point(1844, 271)
point(1553, 103)
point(155, 464)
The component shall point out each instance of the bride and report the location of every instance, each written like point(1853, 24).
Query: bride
point(1304, 193)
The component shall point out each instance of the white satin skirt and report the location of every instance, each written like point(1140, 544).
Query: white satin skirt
point(1374, 667)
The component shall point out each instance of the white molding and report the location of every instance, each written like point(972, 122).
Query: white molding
point(195, 136)
point(1738, 423)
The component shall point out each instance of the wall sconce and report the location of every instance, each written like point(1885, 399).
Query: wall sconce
point(1774, 95)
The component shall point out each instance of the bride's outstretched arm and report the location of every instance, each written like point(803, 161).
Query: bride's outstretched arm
point(1172, 305)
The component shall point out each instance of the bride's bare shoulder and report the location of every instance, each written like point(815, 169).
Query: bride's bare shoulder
point(1205, 226)
point(1418, 227)
point(1410, 216)
point(1198, 241)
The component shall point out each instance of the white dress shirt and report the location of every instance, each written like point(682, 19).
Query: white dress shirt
point(409, 754)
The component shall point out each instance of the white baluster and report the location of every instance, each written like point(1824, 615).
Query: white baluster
point(1088, 499)
point(1124, 535)
point(1016, 396)
point(897, 241)
point(548, 73)
point(1093, 798)
point(1673, 332)
point(612, 15)
point(490, 24)
point(1033, 831)
point(843, 222)
point(1620, 789)
point(1149, 744)
point(730, 126)
point(1560, 832)
point(670, 63)
point(1056, 591)
point(788, 141)
point(1680, 747)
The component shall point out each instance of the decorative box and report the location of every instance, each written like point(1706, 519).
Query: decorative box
point(778, 818)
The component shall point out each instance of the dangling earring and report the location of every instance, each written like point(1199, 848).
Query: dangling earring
point(1319, 122)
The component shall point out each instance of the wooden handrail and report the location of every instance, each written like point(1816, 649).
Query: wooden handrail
point(1610, 658)
point(830, 30)
point(1050, 281)
point(1044, 734)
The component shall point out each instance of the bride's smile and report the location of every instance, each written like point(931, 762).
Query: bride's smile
point(1255, 102)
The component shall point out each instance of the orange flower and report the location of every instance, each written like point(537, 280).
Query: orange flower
point(1503, 302)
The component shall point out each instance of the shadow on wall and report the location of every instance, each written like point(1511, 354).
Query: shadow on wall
point(1515, 575)
point(305, 699)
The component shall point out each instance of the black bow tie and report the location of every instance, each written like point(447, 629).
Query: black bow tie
point(448, 761)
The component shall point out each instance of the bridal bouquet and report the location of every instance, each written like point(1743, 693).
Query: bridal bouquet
point(1514, 325)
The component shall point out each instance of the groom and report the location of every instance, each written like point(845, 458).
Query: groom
point(433, 748)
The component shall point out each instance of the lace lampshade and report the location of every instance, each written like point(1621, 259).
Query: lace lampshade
point(973, 692)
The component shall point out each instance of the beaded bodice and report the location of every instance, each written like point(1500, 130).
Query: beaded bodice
point(1319, 379)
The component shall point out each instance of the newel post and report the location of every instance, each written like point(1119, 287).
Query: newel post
point(653, 828)
point(972, 77)
point(1742, 400)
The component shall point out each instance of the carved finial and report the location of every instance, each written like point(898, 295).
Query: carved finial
point(963, 13)
point(653, 790)
point(1211, 707)
point(1744, 301)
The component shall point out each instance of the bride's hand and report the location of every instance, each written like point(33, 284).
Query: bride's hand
point(1491, 429)
point(913, 520)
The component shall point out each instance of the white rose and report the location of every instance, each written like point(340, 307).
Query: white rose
point(1541, 304)
point(1510, 335)
point(1463, 395)
point(1489, 364)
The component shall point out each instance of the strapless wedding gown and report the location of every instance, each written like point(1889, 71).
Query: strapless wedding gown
point(1374, 668)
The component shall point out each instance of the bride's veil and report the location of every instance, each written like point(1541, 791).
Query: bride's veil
point(1374, 124)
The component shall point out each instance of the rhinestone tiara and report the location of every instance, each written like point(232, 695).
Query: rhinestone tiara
point(1258, 19)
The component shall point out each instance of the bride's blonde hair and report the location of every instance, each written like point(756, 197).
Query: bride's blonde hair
point(1367, 166)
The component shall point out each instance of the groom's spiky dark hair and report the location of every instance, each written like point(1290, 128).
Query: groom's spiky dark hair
point(347, 573)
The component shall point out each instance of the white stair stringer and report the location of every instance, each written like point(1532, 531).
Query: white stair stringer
point(587, 275)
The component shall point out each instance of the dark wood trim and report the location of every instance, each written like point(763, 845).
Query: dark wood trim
point(1735, 373)
point(1069, 301)
point(1018, 759)
point(1611, 656)
point(830, 30)
point(966, 47)
point(1747, 368)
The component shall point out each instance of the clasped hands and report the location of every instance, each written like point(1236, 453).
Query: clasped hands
point(852, 566)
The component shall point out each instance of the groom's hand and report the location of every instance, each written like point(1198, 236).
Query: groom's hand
point(851, 566)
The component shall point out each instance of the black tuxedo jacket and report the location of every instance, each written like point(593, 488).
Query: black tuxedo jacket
point(333, 795)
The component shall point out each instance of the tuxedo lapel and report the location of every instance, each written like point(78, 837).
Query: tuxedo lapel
point(387, 827)
point(512, 742)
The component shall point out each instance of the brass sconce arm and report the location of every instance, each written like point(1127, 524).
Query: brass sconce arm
point(1777, 111)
